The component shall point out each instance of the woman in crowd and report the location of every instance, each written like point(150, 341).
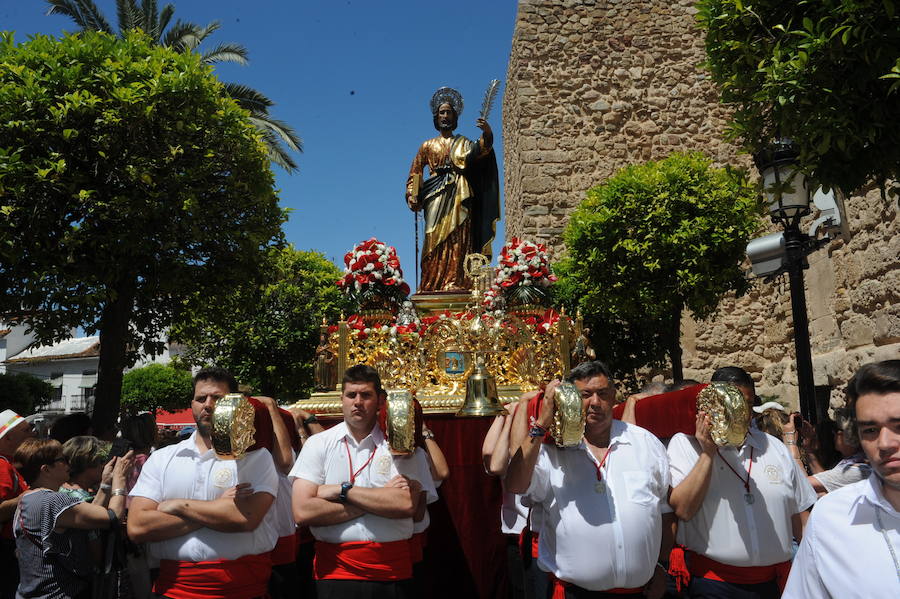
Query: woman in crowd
point(51, 527)
point(89, 479)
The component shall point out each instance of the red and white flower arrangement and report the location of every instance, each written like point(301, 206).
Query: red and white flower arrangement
point(521, 262)
point(373, 266)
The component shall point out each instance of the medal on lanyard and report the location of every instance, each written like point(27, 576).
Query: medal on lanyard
point(353, 474)
point(600, 485)
point(749, 498)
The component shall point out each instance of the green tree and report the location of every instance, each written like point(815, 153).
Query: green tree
point(128, 180)
point(650, 241)
point(23, 393)
point(267, 334)
point(187, 37)
point(825, 73)
point(156, 387)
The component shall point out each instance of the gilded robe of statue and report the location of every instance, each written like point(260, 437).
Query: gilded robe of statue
point(461, 203)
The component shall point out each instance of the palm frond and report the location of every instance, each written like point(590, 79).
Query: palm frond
point(205, 32)
point(248, 98)
point(127, 13)
point(150, 18)
point(165, 17)
point(284, 132)
point(275, 151)
point(490, 94)
point(227, 52)
point(67, 8)
point(182, 36)
point(84, 13)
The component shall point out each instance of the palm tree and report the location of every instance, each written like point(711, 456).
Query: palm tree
point(187, 37)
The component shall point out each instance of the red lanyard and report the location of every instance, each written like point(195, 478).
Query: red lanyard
point(600, 465)
point(730, 467)
point(350, 462)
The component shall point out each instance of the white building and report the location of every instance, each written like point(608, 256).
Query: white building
point(70, 365)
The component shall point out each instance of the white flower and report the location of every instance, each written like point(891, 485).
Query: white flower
point(377, 275)
point(369, 267)
point(367, 330)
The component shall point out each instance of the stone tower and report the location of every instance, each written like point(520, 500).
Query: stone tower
point(595, 85)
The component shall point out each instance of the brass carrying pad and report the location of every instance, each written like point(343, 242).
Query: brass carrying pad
point(401, 422)
point(568, 416)
point(728, 414)
point(233, 428)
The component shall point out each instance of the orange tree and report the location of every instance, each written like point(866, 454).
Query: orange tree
point(128, 180)
point(825, 73)
point(648, 242)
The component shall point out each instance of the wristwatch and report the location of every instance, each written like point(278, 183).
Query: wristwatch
point(345, 488)
point(311, 420)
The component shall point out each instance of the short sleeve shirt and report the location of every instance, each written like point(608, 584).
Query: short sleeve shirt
point(329, 458)
point(616, 514)
point(727, 528)
point(415, 466)
point(181, 472)
point(55, 565)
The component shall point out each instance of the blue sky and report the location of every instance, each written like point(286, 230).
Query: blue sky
point(354, 79)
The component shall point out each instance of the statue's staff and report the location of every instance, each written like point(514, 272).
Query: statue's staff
point(416, 225)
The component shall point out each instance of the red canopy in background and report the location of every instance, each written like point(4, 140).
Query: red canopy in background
point(667, 413)
point(178, 419)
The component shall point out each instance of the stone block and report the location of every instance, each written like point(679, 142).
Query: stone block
point(537, 211)
point(857, 331)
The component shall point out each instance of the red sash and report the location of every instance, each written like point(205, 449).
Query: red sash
point(417, 547)
point(243, 578)
point(560, 586)
point(678, 568)
point(285, 551)
point(363, 561)
point(528, 546)
point(704, 567)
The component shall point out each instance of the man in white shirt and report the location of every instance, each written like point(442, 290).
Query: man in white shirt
point(851, 548)
point(739, 506)
point(602, 502)
point(207, 520)
point(349, 491)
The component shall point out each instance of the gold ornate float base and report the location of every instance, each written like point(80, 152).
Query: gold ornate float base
point(434, 359)
point(328, 403)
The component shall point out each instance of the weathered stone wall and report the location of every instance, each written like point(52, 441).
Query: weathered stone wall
point(595, 85)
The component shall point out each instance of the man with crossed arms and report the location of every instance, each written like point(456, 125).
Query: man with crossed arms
point(348, 490)
point(208, 520)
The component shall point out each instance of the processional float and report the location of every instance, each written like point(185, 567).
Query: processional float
point(458, 353)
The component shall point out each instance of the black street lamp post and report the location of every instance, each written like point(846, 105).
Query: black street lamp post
point(788, 195)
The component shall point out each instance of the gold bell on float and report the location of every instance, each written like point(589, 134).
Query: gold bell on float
point(481, 393)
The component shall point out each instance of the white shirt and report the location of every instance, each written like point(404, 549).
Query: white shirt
point(283, 514)
point(606, 540)
point(324, 460)
point(513, 514)
point(415, 466)
point(728, 529)
point(844, 555)
point(181, 472)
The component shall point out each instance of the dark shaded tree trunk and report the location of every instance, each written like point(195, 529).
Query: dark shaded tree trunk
point(113, 350)
point(675, 347)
